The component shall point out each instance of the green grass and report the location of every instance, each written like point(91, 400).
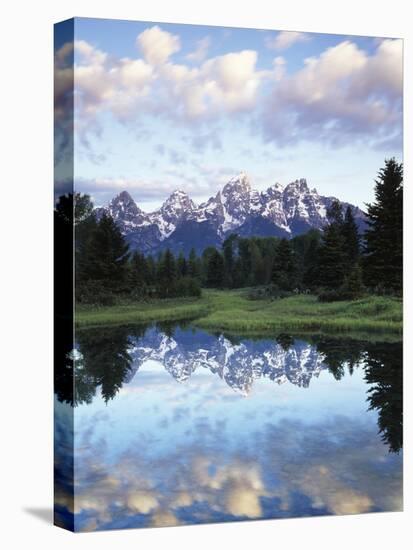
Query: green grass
point(232, 312)
point(141, 313)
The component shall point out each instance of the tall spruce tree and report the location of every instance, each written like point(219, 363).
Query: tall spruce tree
point(138, 272)
point(257, 276)
point(311, 261)
point(108, 255)
point(193, 265)
point(182, 265)
point(166, 274)
point(284, 267)
point(215, 270)
point(351, 238)
point(332, 257)
point(383, 263)
point(228, 249)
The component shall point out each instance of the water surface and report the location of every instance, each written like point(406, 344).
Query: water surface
point(177, 426)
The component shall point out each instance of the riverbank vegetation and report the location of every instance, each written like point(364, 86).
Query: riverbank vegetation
point(232, 311)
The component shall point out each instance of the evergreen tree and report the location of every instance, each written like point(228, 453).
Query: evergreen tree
point(332, 258)
point(151, 271)
point(257, 276)
point(351, 238)
point(182, 266)
point(229, 259)
point(284, 268)
point(166, 274)
point(310, 271)
point(245, 265)
point(193, 265)
point(215, 270)
point(383, 265)
point(107, 256)
point(138, 273)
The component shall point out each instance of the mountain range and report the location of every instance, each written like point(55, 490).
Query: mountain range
point(180, 224)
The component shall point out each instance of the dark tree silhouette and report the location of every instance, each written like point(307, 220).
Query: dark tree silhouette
point(384, 373)
point(284, 266)
point(383, 263)
point(215, 270)
point(332, 259)
point(105, 360)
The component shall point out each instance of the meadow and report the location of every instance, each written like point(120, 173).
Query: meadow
point(231, 311)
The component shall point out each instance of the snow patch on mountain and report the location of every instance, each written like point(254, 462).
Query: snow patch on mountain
point(293, 209)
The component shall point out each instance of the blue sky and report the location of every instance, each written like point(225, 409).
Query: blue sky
point(160, 107)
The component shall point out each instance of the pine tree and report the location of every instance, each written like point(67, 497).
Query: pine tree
point(351, 238)
point(138, 272)
point(284, 268)
point(193, 265)
point(150, 271)
point(182, 266)
point(383, 265)
point(107, 256)
point(229, 259)
point(257, 265)
point(245, 265)
point(215, 270)
point(332, 257)
point(166, 274)
point(310, 273)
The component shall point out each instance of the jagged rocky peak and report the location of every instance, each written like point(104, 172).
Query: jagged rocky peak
point(274, 191)
point(277, 211)
point(297, 186)
point(125, 212)
point(178, 201)
point(239, 184)
point(124, 202)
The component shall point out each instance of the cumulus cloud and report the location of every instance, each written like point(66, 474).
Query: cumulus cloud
point(342, 95)
point(157, 45)
point(339, 96)
point(285, 39)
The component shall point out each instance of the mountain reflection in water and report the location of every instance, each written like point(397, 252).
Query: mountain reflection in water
point(255, 428)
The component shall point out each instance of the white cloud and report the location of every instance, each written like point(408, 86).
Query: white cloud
point(343, 94)
point(279, 64)
point(223, 84)
point(157, 45)
point(285, 39)
point(201, 50)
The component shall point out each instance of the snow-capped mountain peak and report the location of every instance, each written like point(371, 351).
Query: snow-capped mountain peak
point(277, 211)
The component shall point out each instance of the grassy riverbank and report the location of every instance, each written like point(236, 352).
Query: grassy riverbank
point(179, 309)
point(231, 311)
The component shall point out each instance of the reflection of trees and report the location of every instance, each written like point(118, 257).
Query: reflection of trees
point(384, 372)
point(104, 362)
point(101, 359)
point(285, 341)
point(340, 354)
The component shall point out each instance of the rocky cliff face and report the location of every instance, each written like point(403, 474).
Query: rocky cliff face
point(180, 224)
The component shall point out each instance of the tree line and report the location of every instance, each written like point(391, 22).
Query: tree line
point(336, 262)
